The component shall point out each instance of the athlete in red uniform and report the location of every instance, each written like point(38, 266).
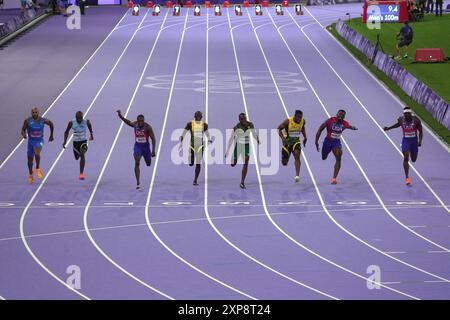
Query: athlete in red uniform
point(410, 144)
point(332, 142)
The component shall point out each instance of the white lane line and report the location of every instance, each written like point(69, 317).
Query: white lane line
point(24, 213)
point(244, 102)
point(317, 187)
point(281, 230)
point(206, 209)
point(1, 298)
point(372, 187)
point(231, 217)
point(105, 164)
point(67, 86)
point(131, 205)
point(152, 182)
point(375, 122)
point(430, 131)
point(395, 252)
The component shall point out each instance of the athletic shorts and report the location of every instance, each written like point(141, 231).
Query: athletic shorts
point(411, 145)
point(143, 150)
point(329, 145)
point(289, 148)
point(404, 42)
point(241, 150)
point(195, 154)
point(77, 146)
point(33, 144)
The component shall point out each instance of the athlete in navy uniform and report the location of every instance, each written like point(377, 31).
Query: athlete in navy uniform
point(80, 146)
point(142, 132)
point(332, 142)
point(33, 128)
point(410, 144)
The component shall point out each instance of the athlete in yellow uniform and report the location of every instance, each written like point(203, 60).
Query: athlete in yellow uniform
point(197, 129)
point(289, 131)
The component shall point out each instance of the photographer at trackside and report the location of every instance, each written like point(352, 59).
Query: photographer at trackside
point(406, 37)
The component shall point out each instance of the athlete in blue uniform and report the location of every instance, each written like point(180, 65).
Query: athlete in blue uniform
point(142, 132)
point(33, 128)
point(80, 146)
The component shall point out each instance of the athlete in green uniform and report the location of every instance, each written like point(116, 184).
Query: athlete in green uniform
point(197, 129)
point(289, 131)
point(241, 133)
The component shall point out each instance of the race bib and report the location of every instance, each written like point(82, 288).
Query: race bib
point(410, 134)
point(294, 134)
point(141, 140)
point(36, 134)
point(198, 134)
point(335, 135)
point(244, 140)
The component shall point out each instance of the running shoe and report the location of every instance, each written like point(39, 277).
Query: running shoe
point(333, 181)
point(242, 185)
point(408, 181)
point(39, 173)
point(297, 179)
point(195, 183)
point(81, 176)
point(30, 179)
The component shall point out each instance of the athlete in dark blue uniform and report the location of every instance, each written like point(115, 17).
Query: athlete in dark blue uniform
point(410, 143)
point(142, 132)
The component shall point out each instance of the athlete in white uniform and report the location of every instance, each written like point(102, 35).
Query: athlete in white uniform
point(79, 127)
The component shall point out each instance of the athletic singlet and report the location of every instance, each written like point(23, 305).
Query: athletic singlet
point(294, 128)
point(335, 129)
point(79, 130)
point(409, 128)
point(243, 137)
point(140, 133)
point(35, 130)
point(197, 129)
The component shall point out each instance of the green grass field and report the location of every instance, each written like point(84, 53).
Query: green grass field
point(432, 32)
point(440, 71)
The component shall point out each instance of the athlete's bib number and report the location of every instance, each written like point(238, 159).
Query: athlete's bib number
point(141, 140)
point(294, 134)
point(335, 135)
point(410, 134)
point(198, 134)
point(36, 134)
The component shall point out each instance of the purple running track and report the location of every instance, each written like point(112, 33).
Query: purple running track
point(274, 240)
